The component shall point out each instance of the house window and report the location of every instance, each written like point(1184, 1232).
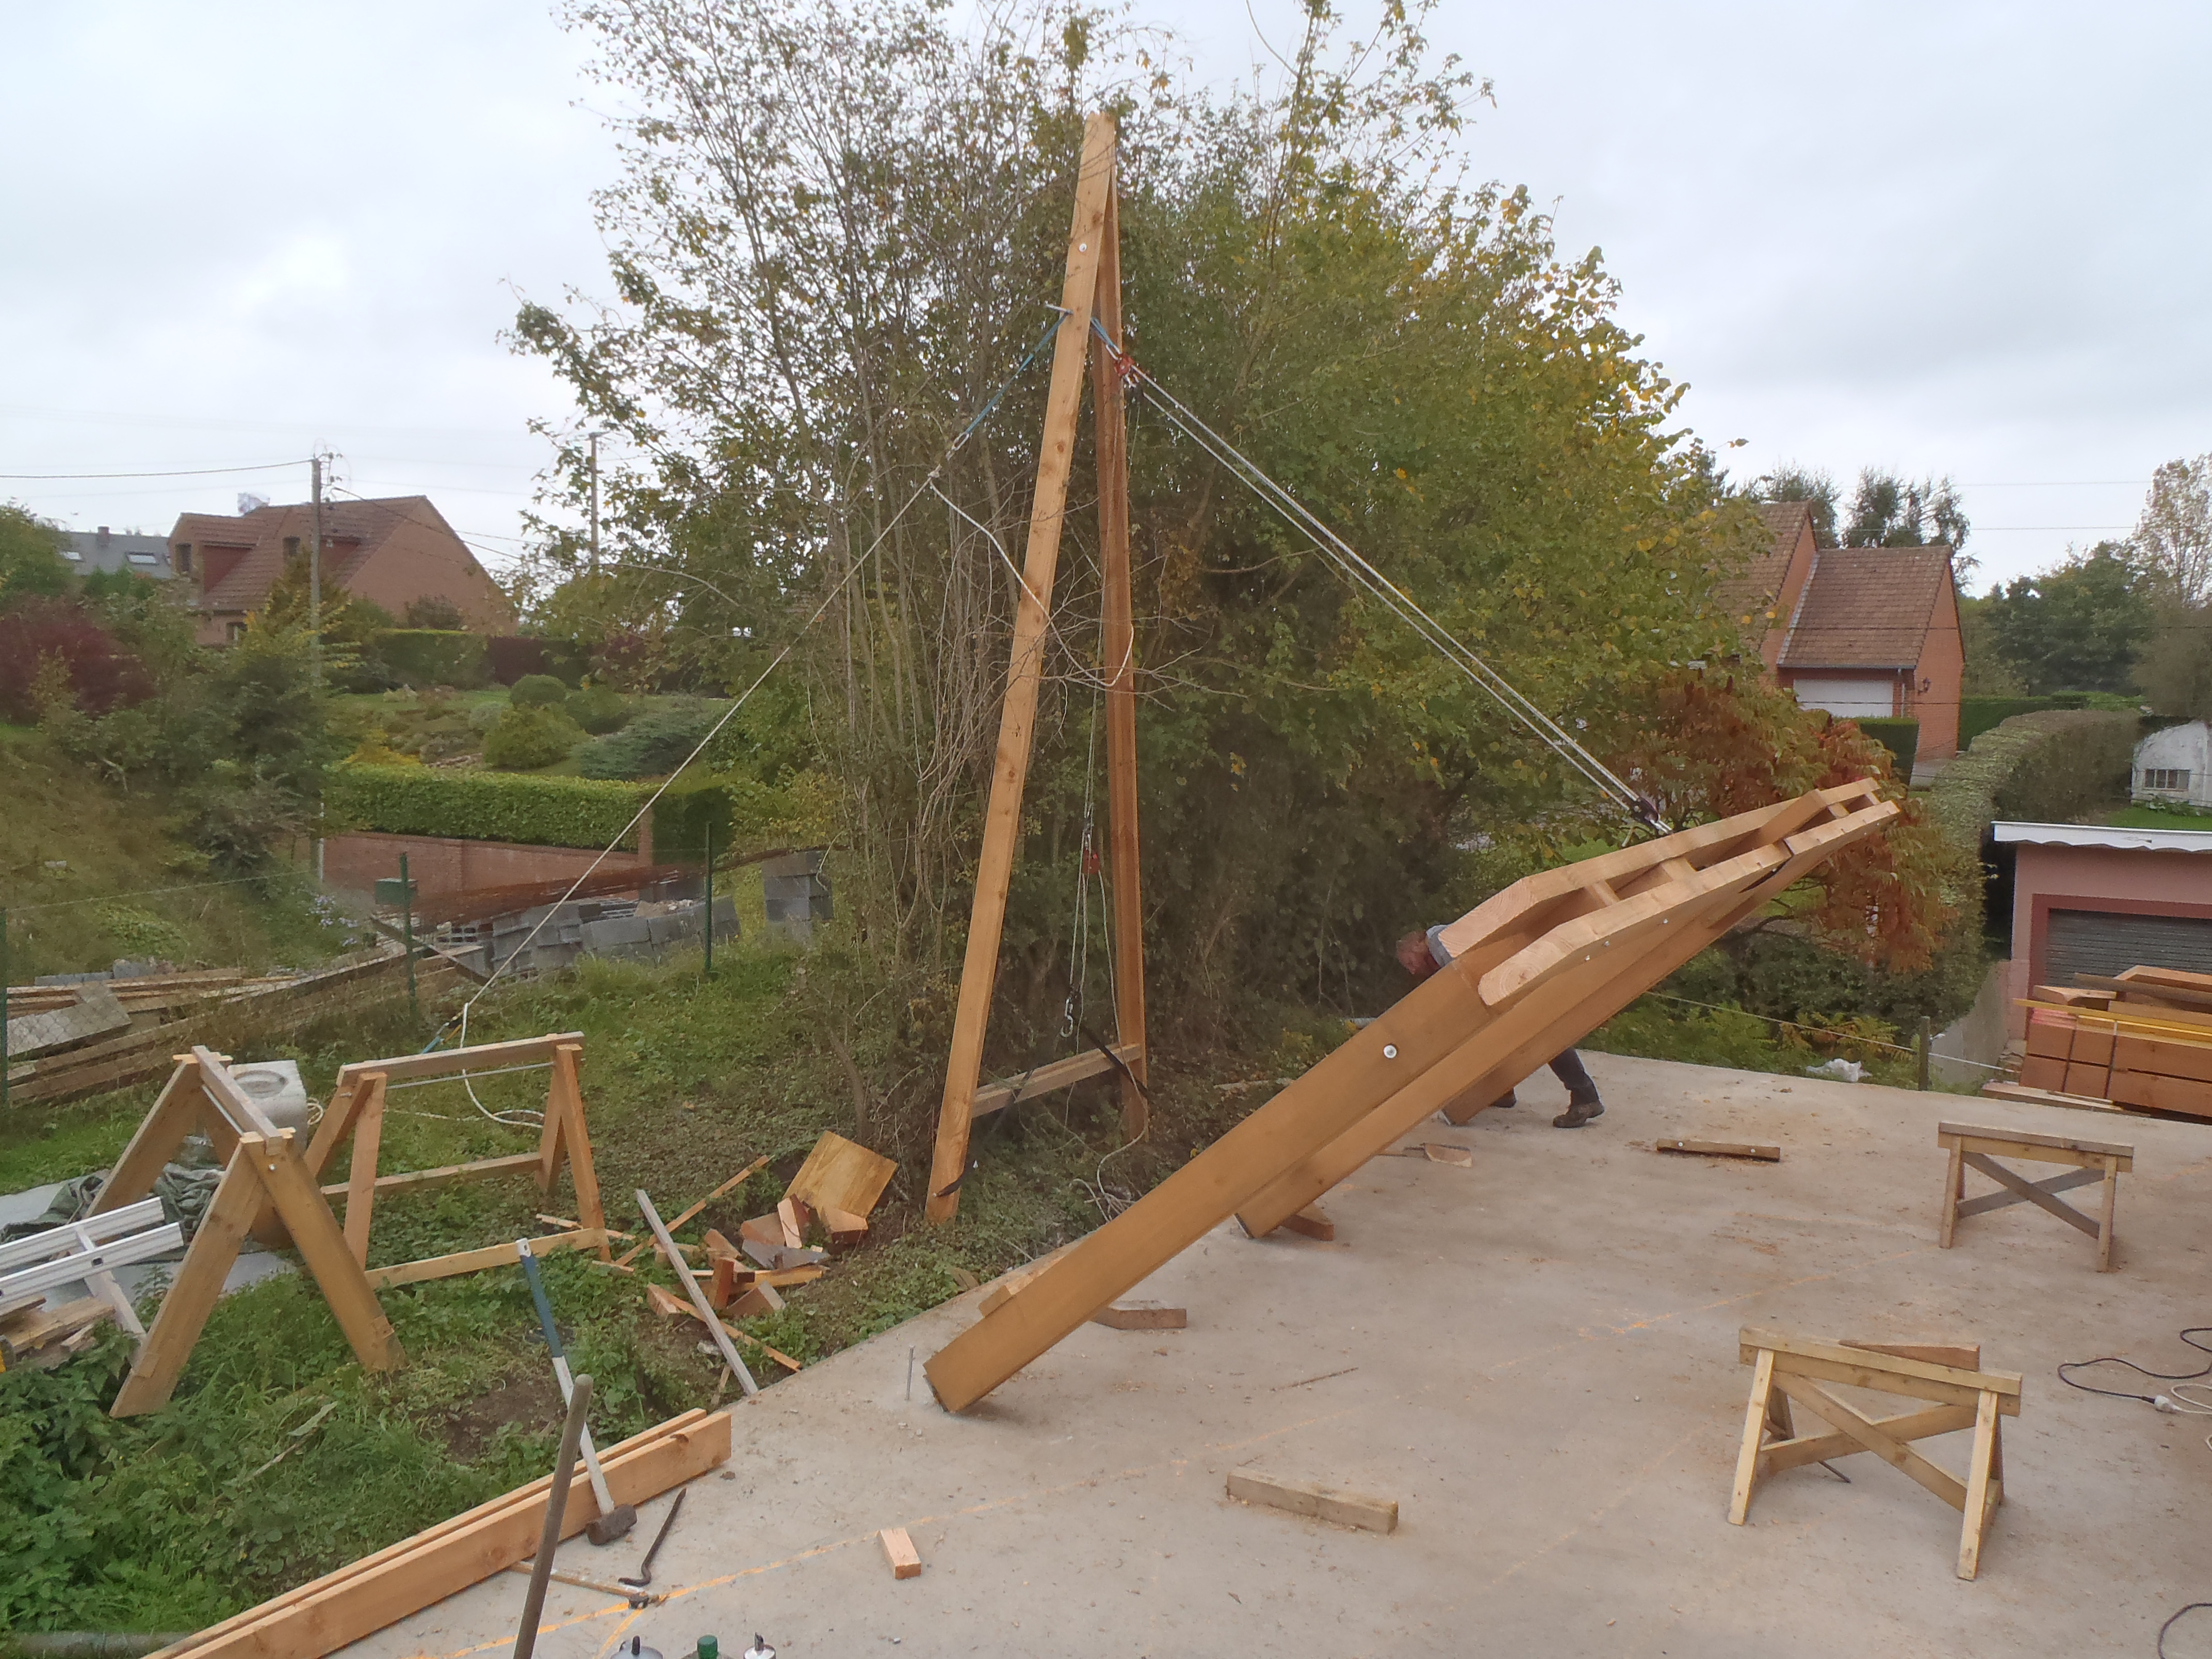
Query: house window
point(2166, 777)
point(184, 557)
point(291, 547)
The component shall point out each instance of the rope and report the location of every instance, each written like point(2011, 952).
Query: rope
point(927, 485)
point(1822, 1031)
point(1363, 574)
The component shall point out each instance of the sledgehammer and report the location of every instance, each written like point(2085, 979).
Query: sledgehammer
point(614, 1520)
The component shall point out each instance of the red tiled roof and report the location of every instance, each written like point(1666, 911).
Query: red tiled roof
point(359, 526)
point(1757, 589)
point(1867, 607)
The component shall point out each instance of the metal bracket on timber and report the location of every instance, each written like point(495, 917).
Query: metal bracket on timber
point(1533, 971)
point(1092, 289)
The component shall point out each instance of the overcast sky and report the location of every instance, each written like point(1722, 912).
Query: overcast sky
point(1959, 239)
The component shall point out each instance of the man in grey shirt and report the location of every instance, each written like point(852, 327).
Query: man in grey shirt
point(1422, 954)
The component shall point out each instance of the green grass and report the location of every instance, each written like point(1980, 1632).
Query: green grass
point(2159, 818)
point(168, 1521)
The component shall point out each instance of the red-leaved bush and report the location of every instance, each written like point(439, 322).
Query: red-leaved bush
point(36, 630)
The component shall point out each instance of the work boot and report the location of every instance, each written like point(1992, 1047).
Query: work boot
point(1578, 1113)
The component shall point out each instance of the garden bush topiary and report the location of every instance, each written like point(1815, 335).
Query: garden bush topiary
point(598, 710)
point(524, 738)
point(650, 746)
point(538, 692)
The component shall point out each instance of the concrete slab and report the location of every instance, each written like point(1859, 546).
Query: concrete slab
point(1534, 1357)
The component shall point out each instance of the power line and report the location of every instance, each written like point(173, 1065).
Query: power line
point(184, 472)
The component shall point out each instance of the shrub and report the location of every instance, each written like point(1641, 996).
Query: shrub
point(652, 746)
point(524, 738)
point(425, 656)
point(98, 673)
point(2051, 767)
point(1900, 737)
point(538, 692)
point(598, 710)
point(435, 612)
point(417, 800)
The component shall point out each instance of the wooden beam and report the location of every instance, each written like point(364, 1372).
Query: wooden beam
point(238, 1108)
point(192, 1294)
point(1055, 1075)
point(364, 1597)
point(1720, 1149)
point(157, 1140)
point(566, 1089)
point(1345, 1509)
point(502, 1254)
point(1118, 641)
point(362, 1183)
point(323, 1248)
point(1017, 719)
point(448, 1175)
point(481, 1057)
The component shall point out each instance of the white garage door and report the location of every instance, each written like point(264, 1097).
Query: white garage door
point(2102, 942)
point(1851, 699)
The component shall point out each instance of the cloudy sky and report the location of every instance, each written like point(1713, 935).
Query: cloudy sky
point(1955, 239)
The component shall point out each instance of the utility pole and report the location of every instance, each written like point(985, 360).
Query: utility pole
point(595, 502)
point(315, 573)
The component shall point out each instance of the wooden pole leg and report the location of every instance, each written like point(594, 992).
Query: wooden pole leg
point(1754, 1429)
point(192, 1294)
point(1983, 1492)
point(2111, 1185)
point(1954, 1188)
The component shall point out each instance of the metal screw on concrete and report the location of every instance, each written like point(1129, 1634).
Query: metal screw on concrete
point(556, 1506)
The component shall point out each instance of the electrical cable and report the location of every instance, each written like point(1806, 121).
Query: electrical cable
point(2187, 1335)
point(184, 472)
point(1363, 575)
point(2175, 1620)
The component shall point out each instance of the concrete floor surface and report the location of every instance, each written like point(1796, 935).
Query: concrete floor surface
point(1536, 1357)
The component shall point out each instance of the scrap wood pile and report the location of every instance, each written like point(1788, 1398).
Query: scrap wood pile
point(830, 1198)
point(87, 1038)
point(2140, 1041)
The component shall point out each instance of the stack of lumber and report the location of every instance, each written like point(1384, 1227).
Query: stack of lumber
point(169, 1016)
point(832, 1195)
point(39, 1337)
point(380, 1589)
point(2142, 1041)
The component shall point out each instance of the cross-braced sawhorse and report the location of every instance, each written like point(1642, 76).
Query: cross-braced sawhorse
point(1977, 1146)
point(1791, 1369)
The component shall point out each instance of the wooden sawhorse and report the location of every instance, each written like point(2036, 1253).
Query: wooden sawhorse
point(1791, 1368)
point(1978, 1146)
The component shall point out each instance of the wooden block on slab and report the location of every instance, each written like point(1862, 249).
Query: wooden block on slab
point(899, 1550)
point(841, 1175)
point(1720, 1149)
point(1343, 1509)
point(1312, 1222)
point(1442, 1153)
point(1141, 1317)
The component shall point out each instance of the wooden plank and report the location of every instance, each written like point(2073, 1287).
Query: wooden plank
point(355, 1601)
point(2035, 1193)
point(1343, 1509)
point(449, 1174)
point(1117, 645)
point(2001, 1200)
point(2030, 1096)
point(1982, 1136)
point(1778, 1456)
point(1141, 1317)
point(1754, 1430)
point(2164, 1057)
point(502, 1254)
point(730, 1185)
point(2091, 1080)
point(2185, 1095)
point(238, 1108)
point(1754, 1337)
point(567, 1086)
point(898, 1550)
point(1395, 1060)
point(1002, 819)
point(1312, 1222)
point(1054, 1075)
point(192, 1294)
point(478, 1057)
point(322, 1247)
point(841, 1175)
point(361, 1184)
point(156, 1141)
point(1957, 1356)
point(1720, 1149)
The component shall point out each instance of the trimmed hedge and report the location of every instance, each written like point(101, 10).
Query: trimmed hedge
point(421, 657)
point(1900, 737)
point(511, 656)
point(2051, 767)
point(680, 818)
point(418, 800)
point(1982, 713)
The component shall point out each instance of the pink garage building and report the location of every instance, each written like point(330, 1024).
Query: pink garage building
point(2089, 899)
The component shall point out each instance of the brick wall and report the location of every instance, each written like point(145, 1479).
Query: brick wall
point(353, 863)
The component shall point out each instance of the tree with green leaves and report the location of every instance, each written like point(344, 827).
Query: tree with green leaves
point(839, 227)
point(1813, 485)
point(2076, 627)
point(30, 555)
point(1890, 510)
point(2172, 540)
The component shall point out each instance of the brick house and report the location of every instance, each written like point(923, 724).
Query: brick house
point(391, 552)
point(1863, 632)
